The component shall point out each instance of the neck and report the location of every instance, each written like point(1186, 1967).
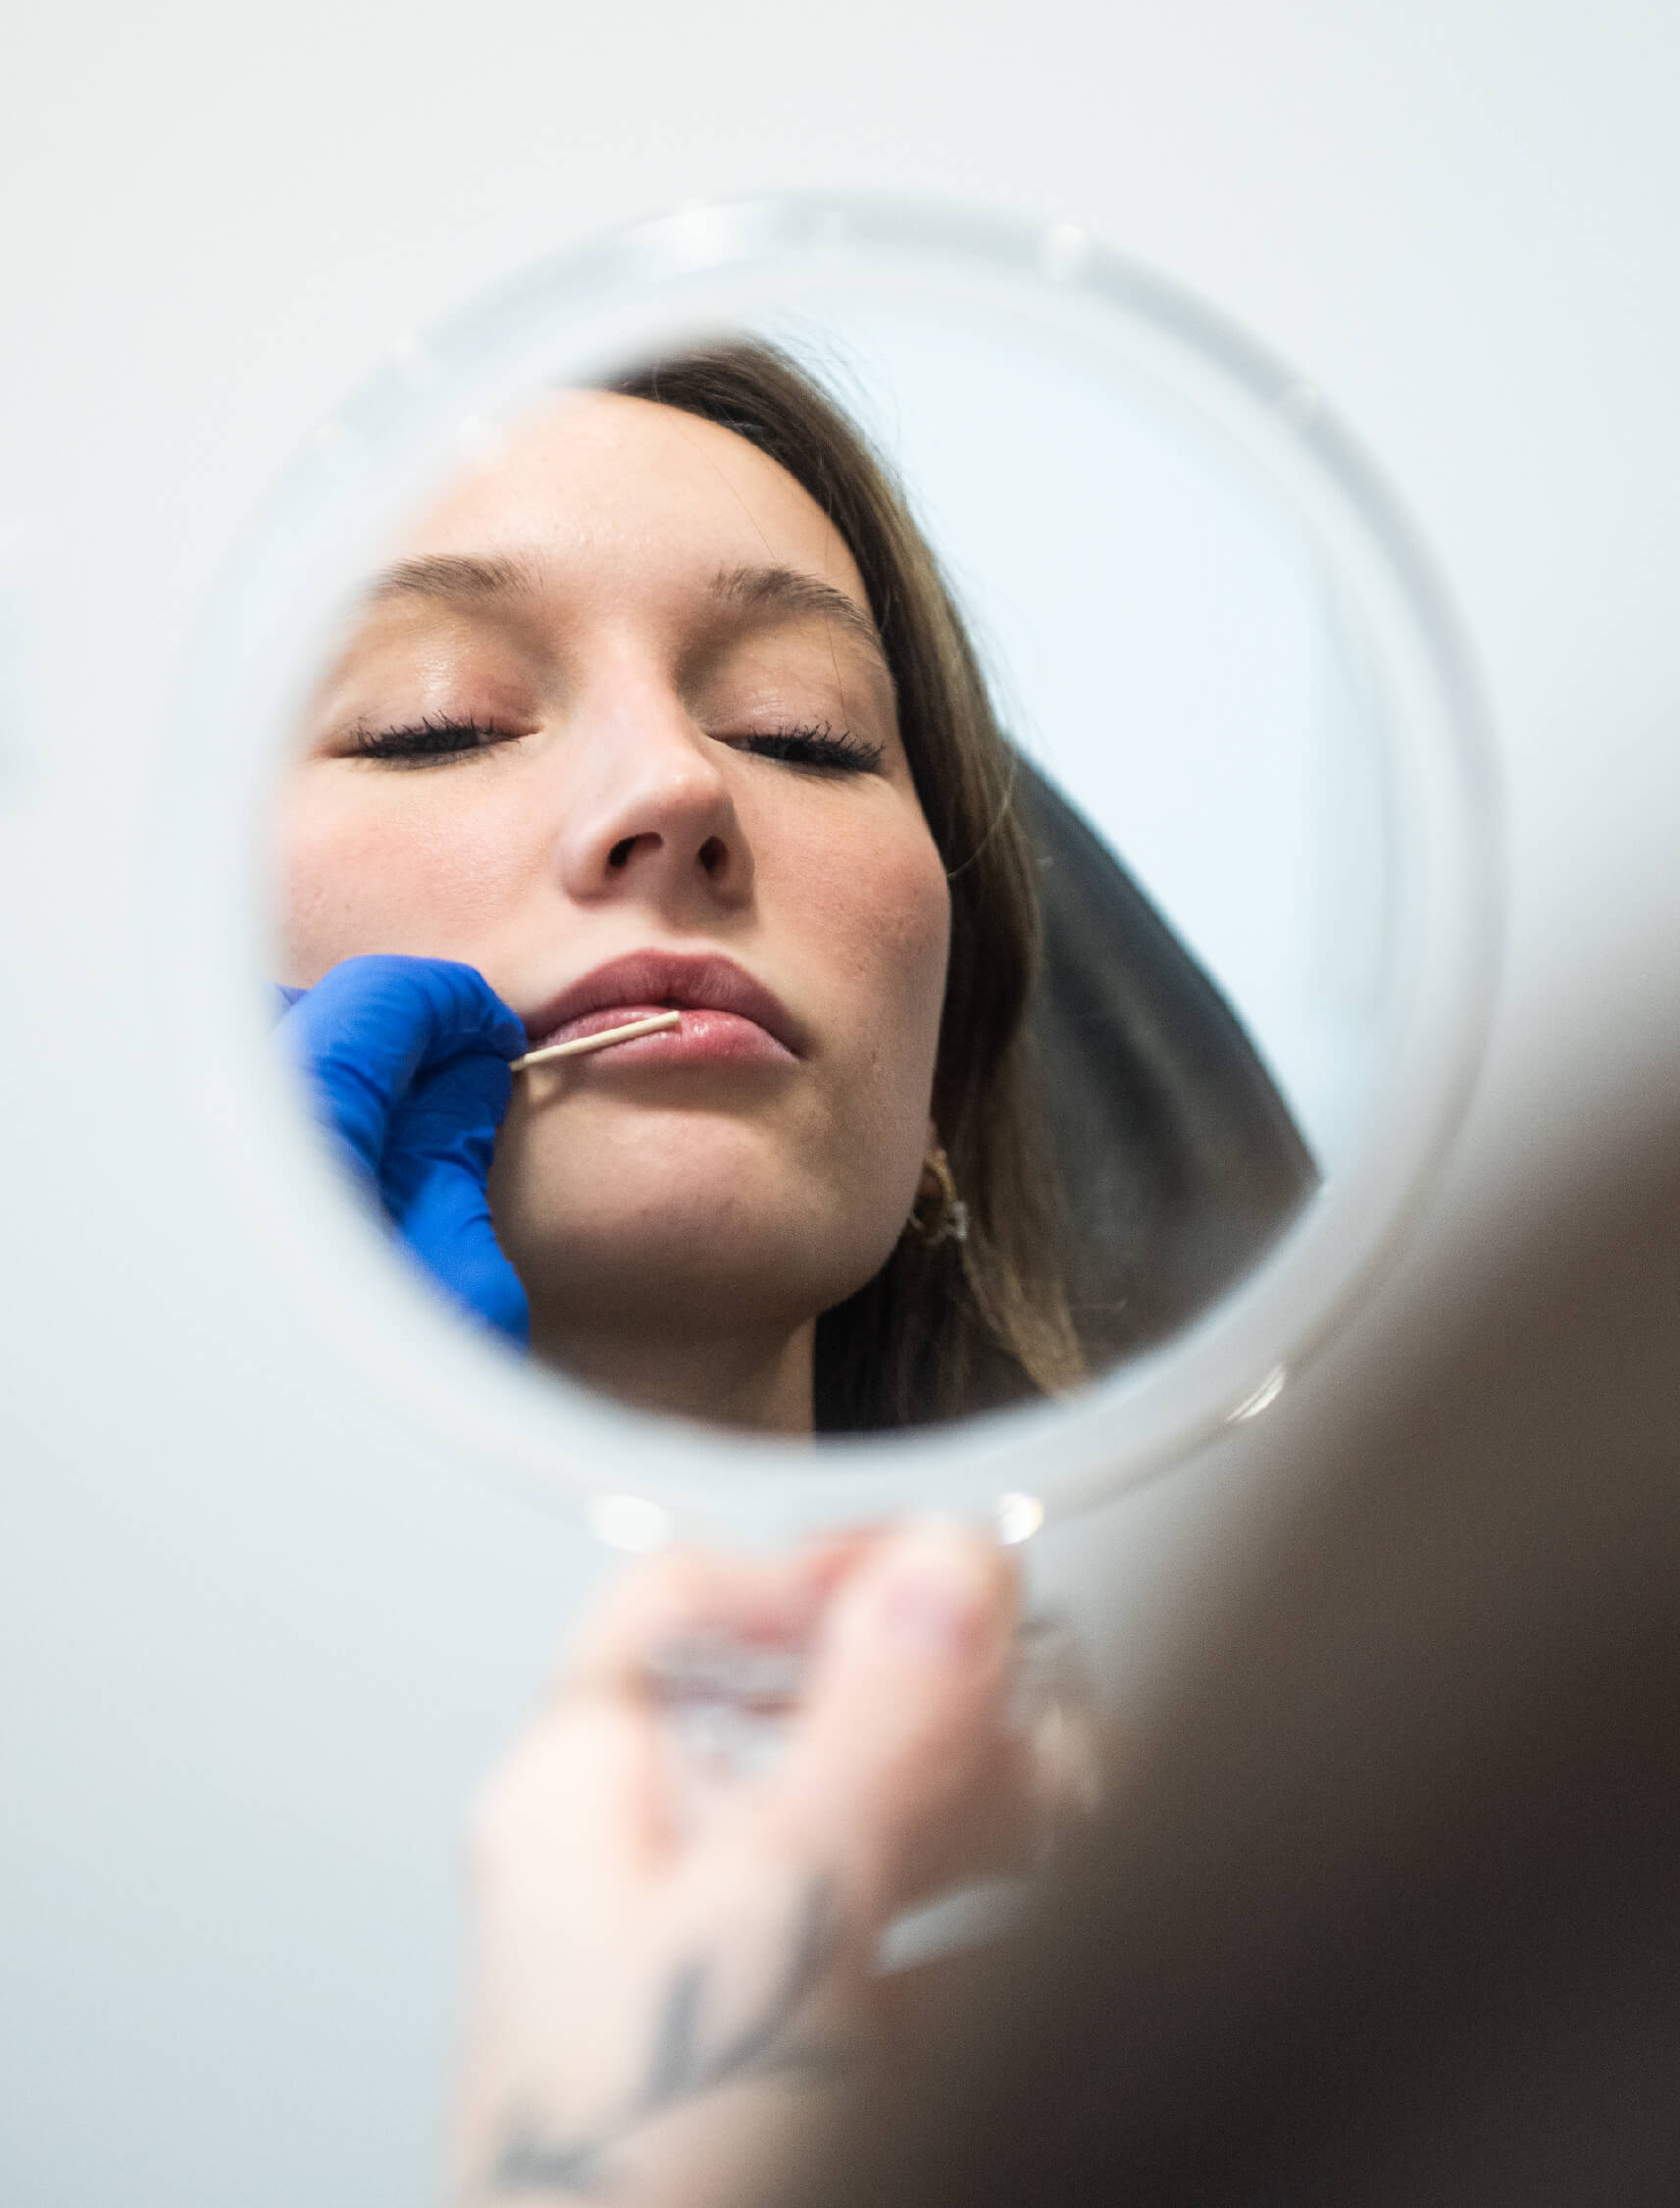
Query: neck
point(758, 1385)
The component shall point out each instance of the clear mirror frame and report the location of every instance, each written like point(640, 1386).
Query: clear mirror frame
point(261, 644)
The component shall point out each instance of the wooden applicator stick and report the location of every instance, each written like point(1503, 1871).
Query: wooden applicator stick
point(580, 1045)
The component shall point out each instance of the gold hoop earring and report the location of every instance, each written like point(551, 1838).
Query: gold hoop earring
point(938, 1215)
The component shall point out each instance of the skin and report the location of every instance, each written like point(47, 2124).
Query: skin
point(676, 742)
point(672, 1998)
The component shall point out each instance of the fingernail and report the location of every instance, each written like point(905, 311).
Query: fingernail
point(937, 1593)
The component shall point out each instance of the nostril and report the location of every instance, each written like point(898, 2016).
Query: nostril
point(713, 856)
point(619, 855)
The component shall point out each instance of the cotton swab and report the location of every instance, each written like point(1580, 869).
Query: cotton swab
point(580, 1045)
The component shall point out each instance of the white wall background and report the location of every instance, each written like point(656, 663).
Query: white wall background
point(254, 1642)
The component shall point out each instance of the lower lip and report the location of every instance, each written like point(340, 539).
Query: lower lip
point(704, 1037)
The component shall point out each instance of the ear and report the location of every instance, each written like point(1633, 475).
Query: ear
point(929, 1183)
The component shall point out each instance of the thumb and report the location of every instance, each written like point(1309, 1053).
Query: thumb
point(905, 1717)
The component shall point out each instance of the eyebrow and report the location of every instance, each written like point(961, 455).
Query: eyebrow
point(787, 589)
point(453, 579)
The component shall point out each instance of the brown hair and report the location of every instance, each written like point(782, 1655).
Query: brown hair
point(950, 1327)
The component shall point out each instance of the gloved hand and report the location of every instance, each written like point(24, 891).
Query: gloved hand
point(406, 1063)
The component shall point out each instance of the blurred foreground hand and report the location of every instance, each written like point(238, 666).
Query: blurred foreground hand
point(672, 1991)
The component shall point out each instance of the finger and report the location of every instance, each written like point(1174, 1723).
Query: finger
point(432, 1177)
point(599, 1766)
point(365, 1031)
point(577, 1803)
point(905, 1733)
point(684, 1594)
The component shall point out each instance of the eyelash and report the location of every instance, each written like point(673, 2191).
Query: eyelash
point(436, 742)
point(428, 742)
point(817, 746)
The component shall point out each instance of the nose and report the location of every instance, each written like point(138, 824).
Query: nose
point(650, 811)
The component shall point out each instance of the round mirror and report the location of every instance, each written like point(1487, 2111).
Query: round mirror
point(984, 727)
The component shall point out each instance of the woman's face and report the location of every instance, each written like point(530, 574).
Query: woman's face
point(616, 729)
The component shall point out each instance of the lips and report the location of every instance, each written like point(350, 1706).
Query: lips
point(733, 1015)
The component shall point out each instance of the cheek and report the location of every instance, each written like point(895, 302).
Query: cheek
point(909, 923)
point(415, 875)
point(883, 923)
point(876, 910)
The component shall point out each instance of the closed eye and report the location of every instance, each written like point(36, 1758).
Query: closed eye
point(437, 741)
point(818, 747)
point(429, 741)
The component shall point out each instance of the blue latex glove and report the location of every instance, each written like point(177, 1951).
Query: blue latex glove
point(406, 1062)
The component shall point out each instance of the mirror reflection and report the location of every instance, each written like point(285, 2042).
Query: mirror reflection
point(669, 703)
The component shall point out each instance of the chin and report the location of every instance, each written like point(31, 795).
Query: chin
point(715, 1235)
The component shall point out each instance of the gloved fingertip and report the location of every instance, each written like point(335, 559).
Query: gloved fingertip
point(501, 1308)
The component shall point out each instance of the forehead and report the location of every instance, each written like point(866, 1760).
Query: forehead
point(610, 493)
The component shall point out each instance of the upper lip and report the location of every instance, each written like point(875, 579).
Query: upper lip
point(686, 981)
